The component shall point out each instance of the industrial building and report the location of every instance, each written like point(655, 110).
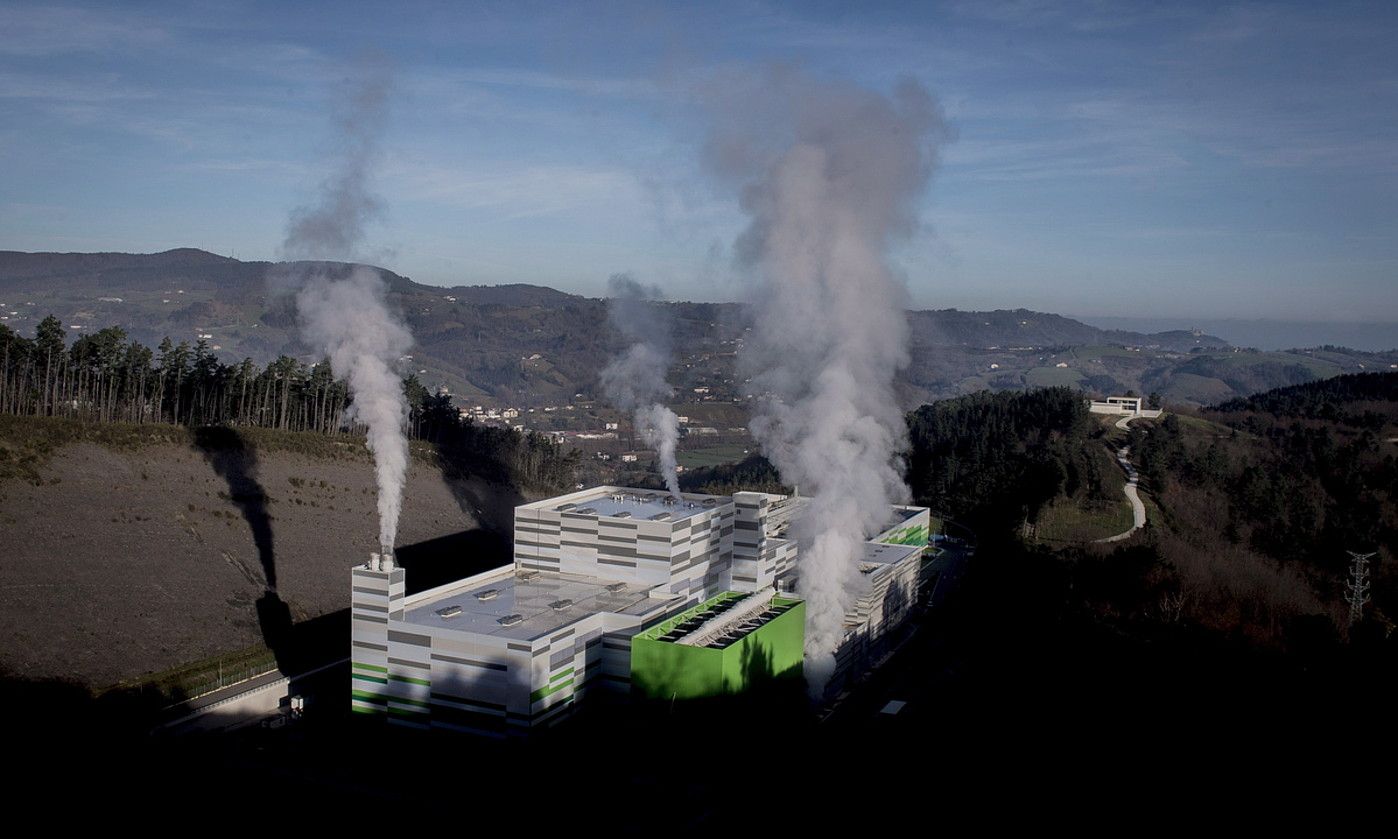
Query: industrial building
point(617, 589)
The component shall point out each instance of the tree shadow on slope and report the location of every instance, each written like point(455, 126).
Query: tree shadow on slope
point(483, 480)
point(236, 462)
point(439, 561)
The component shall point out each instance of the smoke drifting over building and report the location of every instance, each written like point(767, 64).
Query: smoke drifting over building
point(343, 309)
point(830, 175)
point(635, 380)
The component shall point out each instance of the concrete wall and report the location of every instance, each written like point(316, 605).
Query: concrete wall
point(691, 557)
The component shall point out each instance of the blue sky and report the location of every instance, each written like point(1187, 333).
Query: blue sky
point(1160, 160)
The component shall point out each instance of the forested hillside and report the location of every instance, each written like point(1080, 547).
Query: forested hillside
point(995, 459)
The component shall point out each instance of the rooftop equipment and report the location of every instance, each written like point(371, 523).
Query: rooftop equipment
point(449, 611)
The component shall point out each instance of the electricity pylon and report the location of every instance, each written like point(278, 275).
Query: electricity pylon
point(1357, 590)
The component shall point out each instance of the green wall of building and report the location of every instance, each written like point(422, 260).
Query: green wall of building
point(665, 670)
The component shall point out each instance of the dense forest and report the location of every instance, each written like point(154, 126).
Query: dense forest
point(992, 460)
point(1365, 400)
point(104, 378)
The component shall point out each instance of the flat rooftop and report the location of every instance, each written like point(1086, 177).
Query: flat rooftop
point(902, 513)
point(878, 553)
point(627, 503)
point(540, 605)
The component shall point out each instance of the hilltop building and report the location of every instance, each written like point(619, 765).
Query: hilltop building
point(614, 589)
point(1127, 406)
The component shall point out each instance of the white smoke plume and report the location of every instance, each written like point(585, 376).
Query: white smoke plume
point(635, 380)
point(343, 309)
point(830, 176)
point(349, 321)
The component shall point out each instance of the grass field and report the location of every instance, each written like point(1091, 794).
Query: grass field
point(1082, 520)
point(711, 455)
point(1067, 520)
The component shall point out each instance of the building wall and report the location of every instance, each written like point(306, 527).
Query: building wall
point(887, 601)
point(426, 676)
point(691, 557)
point(911, 531)
point(375, 596)
point(665, 670)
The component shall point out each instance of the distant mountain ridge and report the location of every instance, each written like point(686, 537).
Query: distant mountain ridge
point(530, 344)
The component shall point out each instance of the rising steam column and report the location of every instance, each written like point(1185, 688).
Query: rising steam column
point(378, 591)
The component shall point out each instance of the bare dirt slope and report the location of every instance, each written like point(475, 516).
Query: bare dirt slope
point(124, 562)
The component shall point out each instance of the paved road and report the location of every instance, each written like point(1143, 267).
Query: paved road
point(1138, 510)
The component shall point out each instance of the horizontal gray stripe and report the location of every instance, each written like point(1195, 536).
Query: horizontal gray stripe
point(409, 638)
point(461, 700)
point(365, 645)
point(370, 618)
point(406, 663)
point(489, 665)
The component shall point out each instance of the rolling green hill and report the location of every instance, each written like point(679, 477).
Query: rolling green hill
point(530, 345)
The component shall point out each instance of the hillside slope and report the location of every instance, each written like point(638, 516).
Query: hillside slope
point(133, 549)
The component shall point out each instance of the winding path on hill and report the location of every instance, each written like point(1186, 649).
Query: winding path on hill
point(1138, 510)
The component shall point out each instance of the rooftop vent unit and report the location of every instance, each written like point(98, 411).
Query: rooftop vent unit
point(586, 511)
point(710, 502)
point(510, 620)
point(488, 594)
point(660, 517)
point(449, 611)
point(616, 587)
point(868, 567)
point(624, 514)
point(560, 605)
point(526, 575)
point(563, 508)
point(671, 500)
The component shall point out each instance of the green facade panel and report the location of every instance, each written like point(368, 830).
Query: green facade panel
point(665, 670)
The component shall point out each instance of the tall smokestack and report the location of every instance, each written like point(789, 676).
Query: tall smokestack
point(830, 175)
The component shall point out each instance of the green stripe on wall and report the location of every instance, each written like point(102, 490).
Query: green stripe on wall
point(369, 697)
point(550, 690)
point(562, 674)
point(363, 678)
point(373, 667)
point(410, 680)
